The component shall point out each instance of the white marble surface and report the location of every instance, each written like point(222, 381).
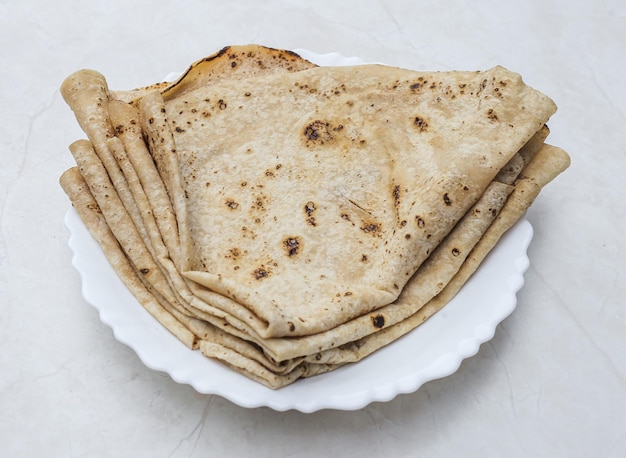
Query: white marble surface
point(551, 383)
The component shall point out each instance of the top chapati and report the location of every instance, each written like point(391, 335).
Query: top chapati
point(312, 197)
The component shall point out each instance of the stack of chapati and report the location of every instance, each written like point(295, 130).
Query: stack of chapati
point(286, 218)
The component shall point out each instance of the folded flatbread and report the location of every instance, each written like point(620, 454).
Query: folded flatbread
point(287, 219)
point(338, 182)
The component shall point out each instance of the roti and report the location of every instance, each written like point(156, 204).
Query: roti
point(354, 159)
point(287, 219)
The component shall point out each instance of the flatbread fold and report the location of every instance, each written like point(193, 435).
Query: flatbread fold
point(406, 194)
point(287, 219)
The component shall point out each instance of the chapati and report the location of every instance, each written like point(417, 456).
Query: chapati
point(287, 219)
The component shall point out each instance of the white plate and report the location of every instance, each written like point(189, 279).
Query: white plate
point(433, 350)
